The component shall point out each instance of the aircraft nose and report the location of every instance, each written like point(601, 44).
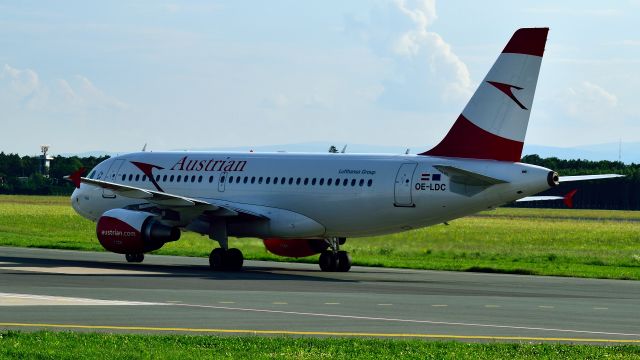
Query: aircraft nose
point(78, 199)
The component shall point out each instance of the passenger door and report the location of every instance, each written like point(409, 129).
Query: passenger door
point(403, 195)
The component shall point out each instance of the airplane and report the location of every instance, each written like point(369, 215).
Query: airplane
point(303, 204)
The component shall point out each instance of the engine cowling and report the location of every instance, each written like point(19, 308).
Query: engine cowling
point(295, 247)
point(127, 231)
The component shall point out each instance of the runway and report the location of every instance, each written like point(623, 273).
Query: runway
point(73, 290)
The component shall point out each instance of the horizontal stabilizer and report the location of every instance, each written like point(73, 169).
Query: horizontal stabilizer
point(588, 177)
point(467, 177)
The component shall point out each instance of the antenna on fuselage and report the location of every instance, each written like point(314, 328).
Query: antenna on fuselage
point(144, 148)
point(407, 151)
point(344, 149)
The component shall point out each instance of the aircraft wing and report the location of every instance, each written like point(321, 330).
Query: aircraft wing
point(567, 199)
point(588, 177)
point(156, 197)
point(214, 207)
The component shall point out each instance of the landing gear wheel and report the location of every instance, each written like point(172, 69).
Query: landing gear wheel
point(233, 259)
point(344, 261)
point(221, 259)
point(216, 259)
point(134, 258)
point(328, 261)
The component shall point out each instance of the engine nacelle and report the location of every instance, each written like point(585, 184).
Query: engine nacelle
point(295, 247)
point(127, 231)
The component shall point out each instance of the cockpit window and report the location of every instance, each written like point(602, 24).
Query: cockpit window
point(92, 174)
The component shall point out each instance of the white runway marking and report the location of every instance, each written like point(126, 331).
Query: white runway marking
point(71, 270)
point(415, 321)
point(10, 299)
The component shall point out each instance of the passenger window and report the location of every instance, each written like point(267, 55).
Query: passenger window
point(171, 178)
point(353, 182)
point(193, 178)
point(124, 177)
point(313, 181)
point(92, 173)
point(290, 181)
point(337, 181)
point(253, 179)
point(329, 181)
point(144, 177)
point(245, 179)
point(230, 179)
point(222, 179)
point(369, 182)
point(298, 181)
point(130, 177)
point(361, 182)
point(275, 180)
point(321, 181)
point(186, 178)
point(260, 180)
point(268, 181)
point(177, 179)
point(137, 177)
point(237, 179)
point(164, 178)
point(282, 181)
point(344, 182)
point(157, 177)
point(200, 178)
point(306, 181)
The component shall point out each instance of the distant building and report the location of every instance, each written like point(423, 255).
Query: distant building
point(45, 160)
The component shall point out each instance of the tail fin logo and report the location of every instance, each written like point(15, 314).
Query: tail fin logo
point(508, 90)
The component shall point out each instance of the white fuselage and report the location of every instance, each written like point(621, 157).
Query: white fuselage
point(345, 195)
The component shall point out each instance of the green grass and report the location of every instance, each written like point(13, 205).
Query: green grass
point(583, 243)
point(68, 345)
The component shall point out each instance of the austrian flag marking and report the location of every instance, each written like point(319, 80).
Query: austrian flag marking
point(429, 177)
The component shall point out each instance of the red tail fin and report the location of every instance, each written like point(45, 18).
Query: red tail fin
point(75, 177)
point(494, 123)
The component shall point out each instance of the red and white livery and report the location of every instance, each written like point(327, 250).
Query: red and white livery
point(305, 204)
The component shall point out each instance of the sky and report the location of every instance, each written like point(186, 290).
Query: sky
point(85, 75)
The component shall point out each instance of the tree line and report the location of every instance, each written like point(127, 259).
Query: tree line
point(21, 175)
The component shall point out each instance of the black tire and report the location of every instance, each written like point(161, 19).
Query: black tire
point(234, 259)
point(328, 261)
point(216, 259)
point(134, 258)
point(344, 261)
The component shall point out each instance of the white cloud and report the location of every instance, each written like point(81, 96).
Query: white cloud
point(425, 67)
point(23, 90)
point(590, 102)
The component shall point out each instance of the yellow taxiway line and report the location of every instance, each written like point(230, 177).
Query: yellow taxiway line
point(316, 333)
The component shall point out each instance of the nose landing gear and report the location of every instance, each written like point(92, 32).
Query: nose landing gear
point(334, 259)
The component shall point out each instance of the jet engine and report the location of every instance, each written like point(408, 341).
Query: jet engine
point(128, 232)
point(295, 247)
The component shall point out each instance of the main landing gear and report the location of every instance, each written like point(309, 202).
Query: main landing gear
point(134, 258)
point(334, 259)
point(230, 259)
